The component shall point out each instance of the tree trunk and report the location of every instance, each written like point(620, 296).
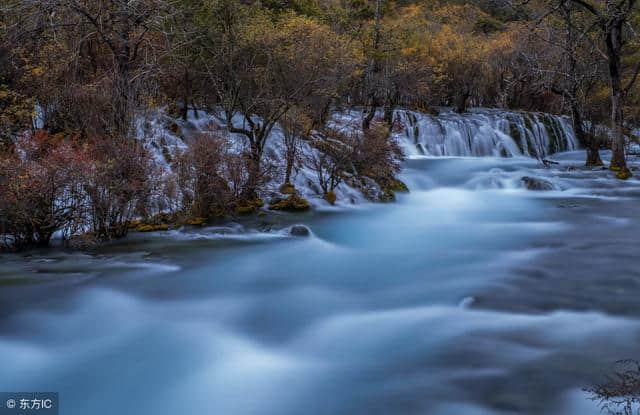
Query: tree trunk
point(366, 121)
point(461, 106)
point(618, 161)
point(614, 52)
point(289, 169)
point(250, 191)
point(588, 140)
point(185, 98)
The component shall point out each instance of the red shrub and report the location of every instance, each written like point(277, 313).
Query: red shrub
point(39, 188)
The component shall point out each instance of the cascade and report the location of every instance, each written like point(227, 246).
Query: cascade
point(485, 132)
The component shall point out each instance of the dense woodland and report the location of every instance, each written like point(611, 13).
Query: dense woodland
point(76, 76)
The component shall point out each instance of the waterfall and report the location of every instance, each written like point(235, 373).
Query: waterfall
point(485, 132)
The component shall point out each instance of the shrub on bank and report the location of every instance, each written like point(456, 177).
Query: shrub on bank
point(119, 181)
point(40, 188)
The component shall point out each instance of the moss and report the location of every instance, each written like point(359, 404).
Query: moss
point(249, 206)
point(331, 197)
point(246, 209)
point(287, 189)
point(134, 224)
point(196, 221)
point(152, 228)
point(624, 174)
point(396, 185)
point(262, 214)
point(387, 196)
point(292, 203)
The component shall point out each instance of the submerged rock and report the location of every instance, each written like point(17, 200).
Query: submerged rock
point(299, 230)
point(535, 183)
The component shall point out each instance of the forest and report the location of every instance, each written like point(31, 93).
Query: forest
point(80, 79)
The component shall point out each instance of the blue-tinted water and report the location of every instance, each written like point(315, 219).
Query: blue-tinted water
point(470, 295)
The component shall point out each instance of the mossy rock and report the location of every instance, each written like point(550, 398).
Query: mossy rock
point(152, 228)
point(196, 221)
point(331, 197)
point(292, 203)
point(134, 224)
point(246, 209)
point(396, 185)
point(624, 174)
point(387, 196)
point(249, 206)
point(287, 189)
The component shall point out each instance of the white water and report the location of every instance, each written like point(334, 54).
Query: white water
point(470, 296)
point(486, 132)
point(479, 133)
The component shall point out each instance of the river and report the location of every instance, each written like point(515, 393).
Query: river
point(469, 295)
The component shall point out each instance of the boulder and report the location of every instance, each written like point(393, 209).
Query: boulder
point(535, 183)
point(299, 230)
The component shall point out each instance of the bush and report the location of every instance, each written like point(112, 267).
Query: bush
point(39, 184)
point(200, 175)
point(376, 155)
point(119, 181)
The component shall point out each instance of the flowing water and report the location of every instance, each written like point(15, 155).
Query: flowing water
point(470, 295)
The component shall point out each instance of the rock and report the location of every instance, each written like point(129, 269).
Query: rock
point(249, 206)
point(331, 197)
point(152, 228)
point(287, 189)
point(299, 230)
point(535, 183)
point(466, 302)
point(196, 221)
point(624, 174)
point(292, 203)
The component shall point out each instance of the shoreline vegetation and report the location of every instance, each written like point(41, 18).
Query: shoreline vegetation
point(78, 77)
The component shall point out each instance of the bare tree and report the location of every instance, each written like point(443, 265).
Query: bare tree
point(620, 394)
point(296, 126)
point(613, 21)
point(566, 64)
point(92, 30)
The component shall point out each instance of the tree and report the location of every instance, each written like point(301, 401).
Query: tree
point(567, 66)
point(621, 393)
point(106, 42)
point(260, 69)
point(613, 21)
point(296, 126)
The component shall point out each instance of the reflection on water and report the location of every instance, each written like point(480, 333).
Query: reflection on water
point(469, 296)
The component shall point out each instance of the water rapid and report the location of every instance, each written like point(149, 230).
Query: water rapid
point(471, 295)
